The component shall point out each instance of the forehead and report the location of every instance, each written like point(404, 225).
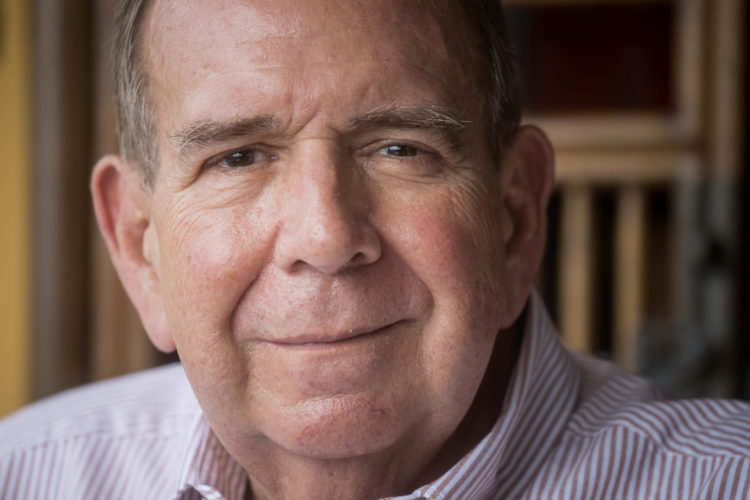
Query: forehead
point(188, 42)
point(197, 23)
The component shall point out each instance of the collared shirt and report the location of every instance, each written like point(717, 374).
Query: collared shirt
point(571, 427)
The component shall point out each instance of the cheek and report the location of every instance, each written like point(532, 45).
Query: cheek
point(453, 242)
point(209, 258)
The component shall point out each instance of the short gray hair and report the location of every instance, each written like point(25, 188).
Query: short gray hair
point(135, 117)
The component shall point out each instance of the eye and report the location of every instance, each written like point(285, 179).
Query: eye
point(399, 150)
point(243, 158)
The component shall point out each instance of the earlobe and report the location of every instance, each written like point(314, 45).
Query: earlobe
point(122, 213)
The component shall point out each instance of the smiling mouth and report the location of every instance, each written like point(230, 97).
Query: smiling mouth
point(326, 340)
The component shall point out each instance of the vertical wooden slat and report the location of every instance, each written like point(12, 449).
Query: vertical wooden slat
point(575, 293)
point(689, 66)
point(629, 266)
point(15, 223)
point(107, 315)
point(61, 156)
point(724, 134)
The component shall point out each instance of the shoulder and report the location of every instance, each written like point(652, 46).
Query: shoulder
point(605, 392)
point(624, 441)
point(614, 400)
point(144, 402)
point(98, 437)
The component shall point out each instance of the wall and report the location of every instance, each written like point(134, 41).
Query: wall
point(15, 249)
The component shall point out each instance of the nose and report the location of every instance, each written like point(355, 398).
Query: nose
point(325, 223)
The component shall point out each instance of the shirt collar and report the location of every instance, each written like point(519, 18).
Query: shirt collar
point(542, 394)
point(209, 471)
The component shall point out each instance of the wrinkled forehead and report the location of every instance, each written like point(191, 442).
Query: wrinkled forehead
point(308, 16)
point(431, 21)
point(176, 32)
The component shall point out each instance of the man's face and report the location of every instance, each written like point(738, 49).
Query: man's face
point(329, 254)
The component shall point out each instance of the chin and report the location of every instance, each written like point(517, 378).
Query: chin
point(339, 427)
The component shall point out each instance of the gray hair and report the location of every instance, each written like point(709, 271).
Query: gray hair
point(135, 117)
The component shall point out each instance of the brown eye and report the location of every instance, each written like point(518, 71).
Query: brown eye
point(399, 150)
point(243, 158)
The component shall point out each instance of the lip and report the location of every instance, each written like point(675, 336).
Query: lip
point(326, 339)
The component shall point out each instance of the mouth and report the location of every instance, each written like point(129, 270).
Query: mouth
point(325, 339)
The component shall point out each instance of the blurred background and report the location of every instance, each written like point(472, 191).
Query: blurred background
point(644, 100)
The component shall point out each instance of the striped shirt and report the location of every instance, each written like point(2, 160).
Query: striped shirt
point(572, 427)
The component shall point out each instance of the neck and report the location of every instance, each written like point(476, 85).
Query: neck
point(399, 470)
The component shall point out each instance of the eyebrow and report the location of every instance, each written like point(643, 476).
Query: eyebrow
point(206, 132)
point(434, 118)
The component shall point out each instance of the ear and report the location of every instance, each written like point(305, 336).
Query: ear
point(122, 212)
point(526, 177)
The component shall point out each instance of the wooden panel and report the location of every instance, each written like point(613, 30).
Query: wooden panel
point(694, 147)
point(62, 210)
point(619, 167)
point(634, 130)
point(575, 295)
point(681, 124)
point(577, 59)
point(629, 267)
point(512, 3)
point(727, 96)
point(690, 68)
point(15, 245)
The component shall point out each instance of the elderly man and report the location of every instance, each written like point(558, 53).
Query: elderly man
point(330, 211)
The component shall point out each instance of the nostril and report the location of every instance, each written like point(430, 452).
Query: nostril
point(359, 258)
